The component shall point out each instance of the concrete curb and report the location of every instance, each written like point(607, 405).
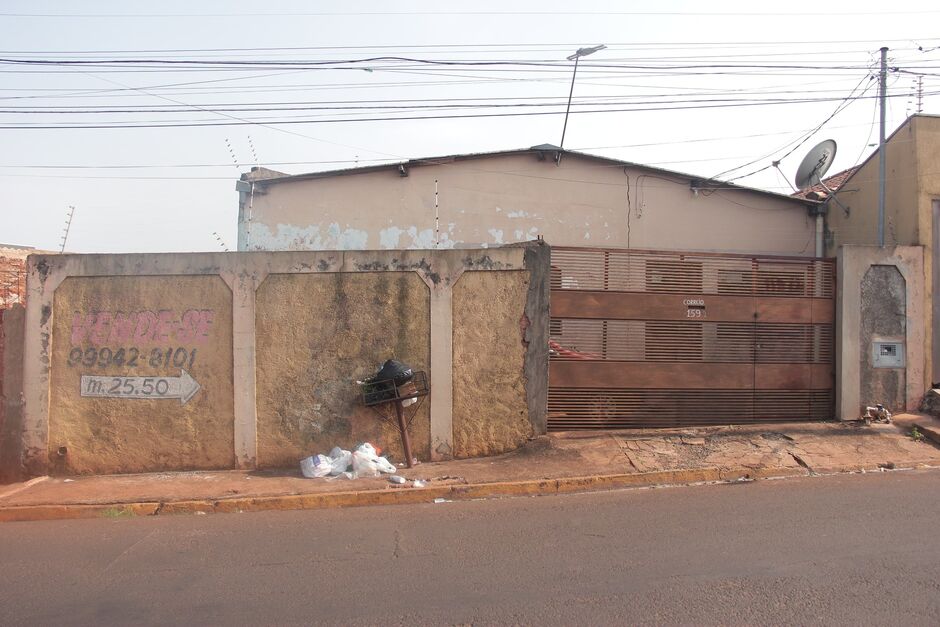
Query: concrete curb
point(406, 496)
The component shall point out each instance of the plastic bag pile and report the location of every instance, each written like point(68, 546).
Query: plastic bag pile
point(362, 462)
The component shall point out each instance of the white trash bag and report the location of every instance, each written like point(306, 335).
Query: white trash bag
point(340, 460)
point(368, 449)
point(366, 463)
point(316, 466)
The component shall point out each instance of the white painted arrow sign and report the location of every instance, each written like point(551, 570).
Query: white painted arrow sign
point(183, 387)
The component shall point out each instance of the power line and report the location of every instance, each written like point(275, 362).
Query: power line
point(841, 107)
point(86, 166)
point(282, 121)
point(695, 14)
point(632, 45)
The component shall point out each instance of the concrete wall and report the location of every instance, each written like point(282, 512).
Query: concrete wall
point(934, 282)
point(154, 326)
point(316, 335)
point(12, 329)
point(498, 199)
point(258, 354)
point(881, 295)
point(488, 358)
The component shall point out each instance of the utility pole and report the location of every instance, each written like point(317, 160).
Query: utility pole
point(883, 83)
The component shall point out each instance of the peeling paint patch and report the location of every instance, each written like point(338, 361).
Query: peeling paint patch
point(391, 238)
point(421, 239)
point(497, 235)
point(517, 214)
point(446, 242)
point(388, 238)
point(518, 233)
point(314, 237)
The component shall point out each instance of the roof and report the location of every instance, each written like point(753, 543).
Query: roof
point(833, 183)
point(542, 151)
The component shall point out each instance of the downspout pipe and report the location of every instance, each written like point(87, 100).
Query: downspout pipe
point(820, 233)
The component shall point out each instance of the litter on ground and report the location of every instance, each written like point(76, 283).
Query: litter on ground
point(364, 462)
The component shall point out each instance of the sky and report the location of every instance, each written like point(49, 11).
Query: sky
point(142, 116)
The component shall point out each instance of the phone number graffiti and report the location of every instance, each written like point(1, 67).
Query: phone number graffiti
point(132, 357)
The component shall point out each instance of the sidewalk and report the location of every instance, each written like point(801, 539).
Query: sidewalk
point(558, 463)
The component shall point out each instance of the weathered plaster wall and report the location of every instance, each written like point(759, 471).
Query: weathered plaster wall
point(932, 280)
point(155, 327)
point(536, 334)
point(12, 322)
point(490, 411)
point(316, 335)
point(288, 331)
point(496, 200)
point(928, 159)
point(883, 318)
point(854, 263)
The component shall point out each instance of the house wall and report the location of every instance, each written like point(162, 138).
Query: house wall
point(275, 342)
point(912, 186)
point(928, 177)
point(484, 202)
point(859, 194)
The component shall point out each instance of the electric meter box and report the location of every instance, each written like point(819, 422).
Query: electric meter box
point(887, 354)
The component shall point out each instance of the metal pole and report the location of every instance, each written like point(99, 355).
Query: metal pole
point(570, 93)
point(882, 157)
point(403, 431)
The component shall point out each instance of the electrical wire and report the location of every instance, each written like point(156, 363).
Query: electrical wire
point(845, 103)
point(238, 121)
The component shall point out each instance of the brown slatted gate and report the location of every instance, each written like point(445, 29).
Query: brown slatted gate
point(663, 339)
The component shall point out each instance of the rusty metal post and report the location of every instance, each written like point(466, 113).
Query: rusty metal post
point(403, 430)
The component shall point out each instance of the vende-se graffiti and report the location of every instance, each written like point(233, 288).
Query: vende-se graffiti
point(118, 327)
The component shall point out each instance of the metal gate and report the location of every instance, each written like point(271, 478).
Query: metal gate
point(664, 339)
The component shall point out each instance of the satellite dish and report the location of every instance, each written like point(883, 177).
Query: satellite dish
point(815, 164)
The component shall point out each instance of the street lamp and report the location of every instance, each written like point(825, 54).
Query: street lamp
point(582, 52)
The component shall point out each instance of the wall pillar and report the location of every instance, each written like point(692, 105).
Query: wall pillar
point(41, 283)
point(853, 263)
point(244, 286)
point(442, 362)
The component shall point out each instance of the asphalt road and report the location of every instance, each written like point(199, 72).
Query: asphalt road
point(836, 550)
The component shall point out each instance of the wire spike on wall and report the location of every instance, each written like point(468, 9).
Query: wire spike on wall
point(231, 151)
point(221, 242)
point(65, 231)
point(254, 153)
